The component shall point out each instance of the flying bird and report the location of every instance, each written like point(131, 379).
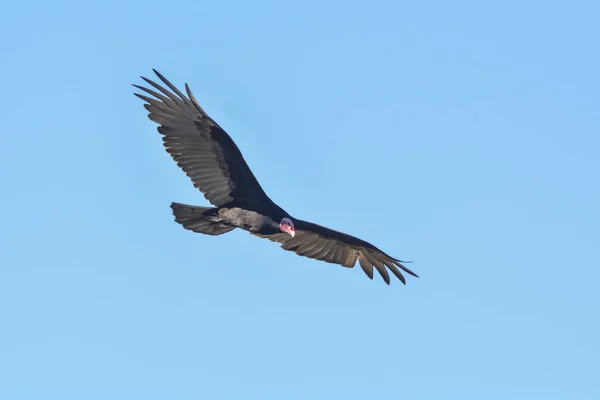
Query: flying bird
point(210, 158)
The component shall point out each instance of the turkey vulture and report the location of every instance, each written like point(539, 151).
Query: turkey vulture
point(206, 153)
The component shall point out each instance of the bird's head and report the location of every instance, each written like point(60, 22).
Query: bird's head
point(286, 225)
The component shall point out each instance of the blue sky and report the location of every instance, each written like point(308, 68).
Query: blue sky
point(461, 135)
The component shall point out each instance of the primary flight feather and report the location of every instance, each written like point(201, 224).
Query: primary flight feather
point(206, 153)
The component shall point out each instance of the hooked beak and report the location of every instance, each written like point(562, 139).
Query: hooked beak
point(287, 226)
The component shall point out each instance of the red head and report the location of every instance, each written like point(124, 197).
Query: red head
point(286, 225)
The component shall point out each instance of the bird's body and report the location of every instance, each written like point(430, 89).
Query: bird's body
point(247, 220)
point(217, 168)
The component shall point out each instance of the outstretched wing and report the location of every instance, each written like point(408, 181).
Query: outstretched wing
point(202, 149)
point(321, 243)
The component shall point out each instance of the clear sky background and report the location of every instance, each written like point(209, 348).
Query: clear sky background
point(461, 135)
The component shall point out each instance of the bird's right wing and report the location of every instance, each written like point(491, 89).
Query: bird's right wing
point(321, 243)
point(200, 146)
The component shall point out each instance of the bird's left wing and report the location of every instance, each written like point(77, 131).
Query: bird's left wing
point(204, 151)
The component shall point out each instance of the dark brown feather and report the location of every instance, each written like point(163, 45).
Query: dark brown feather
point(365, 265)
point(320, 243)
point(201, 148)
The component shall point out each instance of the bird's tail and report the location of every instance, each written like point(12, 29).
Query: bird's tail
point(197, 219)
